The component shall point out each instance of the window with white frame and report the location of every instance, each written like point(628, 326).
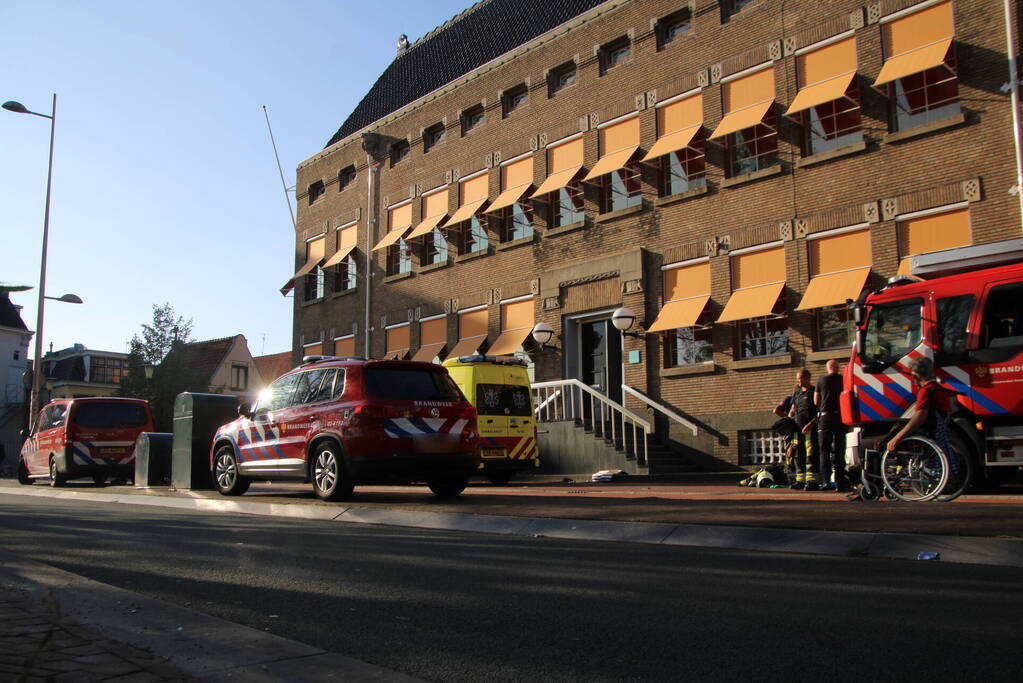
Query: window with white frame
point(761, 447)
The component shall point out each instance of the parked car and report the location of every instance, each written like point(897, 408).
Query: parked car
point(338, 422)
point(499, 388)
point(84, 437)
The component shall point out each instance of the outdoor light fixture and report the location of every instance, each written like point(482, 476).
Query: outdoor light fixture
point(623, 320)
point(148, 368)
point(542, 334)
point(67, 298)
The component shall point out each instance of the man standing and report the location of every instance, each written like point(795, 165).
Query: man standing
point(804, 412)
point(831, 429)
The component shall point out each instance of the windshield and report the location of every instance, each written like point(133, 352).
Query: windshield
point(110, 415)
point(502, 399)
point(406, 384)
point(893, 330)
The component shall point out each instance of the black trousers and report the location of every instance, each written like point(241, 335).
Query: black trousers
point(831, 438)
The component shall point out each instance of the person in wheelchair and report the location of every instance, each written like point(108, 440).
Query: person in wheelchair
point(933, 405)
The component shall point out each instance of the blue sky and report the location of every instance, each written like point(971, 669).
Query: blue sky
point(165, 187)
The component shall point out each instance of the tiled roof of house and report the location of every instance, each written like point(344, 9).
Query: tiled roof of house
point(478, 35)
point(204, 357)
point(9, 316)
point(273, 366)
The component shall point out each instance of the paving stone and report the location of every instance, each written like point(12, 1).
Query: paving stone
point(98, 658)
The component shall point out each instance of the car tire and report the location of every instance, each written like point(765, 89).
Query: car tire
point(225, 473)
point(448, 485)
point(23, 477)
point(56, 478)
point(500, 478)
point(327, 473)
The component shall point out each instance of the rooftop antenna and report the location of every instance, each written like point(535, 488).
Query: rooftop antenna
point(280, 170)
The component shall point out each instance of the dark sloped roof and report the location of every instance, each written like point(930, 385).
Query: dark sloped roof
point(9, 316)
point(273, 366)
point(203, 357)
point(478, 35)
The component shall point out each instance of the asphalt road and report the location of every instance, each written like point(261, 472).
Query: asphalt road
point(467, 607)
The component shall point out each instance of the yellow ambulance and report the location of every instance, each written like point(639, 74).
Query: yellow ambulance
point(499, 388)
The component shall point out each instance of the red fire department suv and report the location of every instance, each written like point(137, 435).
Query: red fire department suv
point(84, 437)
point(338, 422)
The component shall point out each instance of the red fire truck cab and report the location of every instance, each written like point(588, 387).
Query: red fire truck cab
point(971, 325)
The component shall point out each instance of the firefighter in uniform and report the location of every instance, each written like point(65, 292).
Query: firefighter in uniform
point(831, 435)
point(804, 412)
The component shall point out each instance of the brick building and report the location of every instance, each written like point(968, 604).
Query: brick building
point(730, 171)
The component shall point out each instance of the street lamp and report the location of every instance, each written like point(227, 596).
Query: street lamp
point(623, 319)
point(542, 334)
point(37, 374)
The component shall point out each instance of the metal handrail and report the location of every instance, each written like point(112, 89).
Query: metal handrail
point(658, 407)
point(574, 395)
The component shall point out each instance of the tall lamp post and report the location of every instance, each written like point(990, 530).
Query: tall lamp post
point(37, 375)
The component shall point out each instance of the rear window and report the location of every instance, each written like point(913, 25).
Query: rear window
point(110, 415)
point(402, 384)
point(502, 399)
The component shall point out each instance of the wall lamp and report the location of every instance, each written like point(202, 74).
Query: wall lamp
point(543, 334)
point(623, 319)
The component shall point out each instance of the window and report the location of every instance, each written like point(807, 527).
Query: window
point(684, 169)
point(345, 177)
point(754, 149)
point(397, 341)
point(931, 231)
point(399, 258)
point(766, 335)
point(514, 98)
point(17, 354)
point(278, 394)
point(346, 275)
point(516, 222)
point(829, 96)
point(621, 188)
point(107, 370)
point(560, 78)
point(920, 66)
point(683, 318)
point(732, 7)
point(840, 262)
point(1002, 325)
point(761, 447)
point(953, 320)
point(315, 191)
point(314, 386)
point(613, 54)
point(749, 124)
point(672, 26)
point(400, 384)
point(432, 135)
point(689, 345)
point(435, 248)
point(835, 327)
point(473, 236)
point(239, 377)
point(343, 260)
point(315, 279)
point(472, 117)
point(567, 205)
point(893, 330)
point(399, 151)
point(757, 304)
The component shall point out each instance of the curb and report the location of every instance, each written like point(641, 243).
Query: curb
point(957, 549)
point(206, 647)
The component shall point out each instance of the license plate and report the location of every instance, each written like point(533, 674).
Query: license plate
point(111, 451)
point(493, 452)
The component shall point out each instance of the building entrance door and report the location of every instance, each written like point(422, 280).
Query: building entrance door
point(600, 357)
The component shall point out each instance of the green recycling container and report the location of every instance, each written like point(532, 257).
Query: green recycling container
point(196, 419)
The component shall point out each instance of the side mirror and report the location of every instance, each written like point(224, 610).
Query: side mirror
point(245, 410)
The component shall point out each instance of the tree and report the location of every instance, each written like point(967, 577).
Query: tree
point(157, 339)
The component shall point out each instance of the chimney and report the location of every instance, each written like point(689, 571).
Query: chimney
point(402, 44)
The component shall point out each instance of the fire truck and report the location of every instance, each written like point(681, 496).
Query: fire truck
point(963, 309)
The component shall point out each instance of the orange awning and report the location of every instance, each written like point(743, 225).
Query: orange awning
point(556, 181)
point(682, 313)
point(465, 212)
point(425, 226)
point(339, 256)
point(307, 268)
point(832, 289)
point(390, 238)
point(913, 62)
point(428, 352)
point(507, 198)
point(467, 346)
point(396, 355)
point(509, 342)
point(819, 93)
point(751, 302)
point(672, 142)
point(611, 162)
point(741, 119)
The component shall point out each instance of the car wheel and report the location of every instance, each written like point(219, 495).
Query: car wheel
point(500, 478)
point(330, 481)
point(448, 485)
point(99, 478)
point(23, 477)
point(56, 478)
point(225, 473)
